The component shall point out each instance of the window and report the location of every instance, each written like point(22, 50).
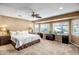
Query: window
point(61, 28)
point(36, 29)
point(75, 27)
point(44, 28)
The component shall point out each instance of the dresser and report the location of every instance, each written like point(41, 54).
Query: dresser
point(4, 40)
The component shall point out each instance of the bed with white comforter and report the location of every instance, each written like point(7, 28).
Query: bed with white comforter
point(21, 38)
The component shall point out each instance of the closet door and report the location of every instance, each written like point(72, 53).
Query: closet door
point(75, 31)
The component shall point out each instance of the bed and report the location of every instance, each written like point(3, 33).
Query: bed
point(22, 39)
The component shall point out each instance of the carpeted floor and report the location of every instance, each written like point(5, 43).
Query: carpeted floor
point(45, 47)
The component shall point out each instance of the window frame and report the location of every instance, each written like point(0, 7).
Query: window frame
point(61, 22)
point(75, 25)
point(35, 30)
point(47, 28)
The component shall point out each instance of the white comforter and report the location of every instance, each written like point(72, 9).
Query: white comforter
point(21, 39)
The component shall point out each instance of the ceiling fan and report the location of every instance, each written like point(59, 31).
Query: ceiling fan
point(35, 15)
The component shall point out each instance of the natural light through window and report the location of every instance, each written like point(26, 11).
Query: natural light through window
point(36, 29)
point(75, 27)
point(61, 28)
point(44, 28)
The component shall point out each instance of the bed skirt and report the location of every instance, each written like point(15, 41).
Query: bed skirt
point(26, 45)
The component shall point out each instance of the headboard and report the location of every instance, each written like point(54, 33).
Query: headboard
point(29, 30)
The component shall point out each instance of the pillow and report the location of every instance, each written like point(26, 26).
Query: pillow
point(12, 32)
point(18, 32)
point(25, 32)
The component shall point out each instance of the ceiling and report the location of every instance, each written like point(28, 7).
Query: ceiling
point(24, 10)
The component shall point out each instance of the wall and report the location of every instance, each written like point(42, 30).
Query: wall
point(15, 23)
point(58, 38)
point(75, 39)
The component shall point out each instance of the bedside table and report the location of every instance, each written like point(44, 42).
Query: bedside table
point(65, 39)
point(40, 34)
point(5, 40)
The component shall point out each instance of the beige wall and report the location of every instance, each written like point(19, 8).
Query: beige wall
point(58, 38)
point(75, 39)
point(15, 23)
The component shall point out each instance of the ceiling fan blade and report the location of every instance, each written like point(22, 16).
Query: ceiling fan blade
point(38, 17)
point(36, 14)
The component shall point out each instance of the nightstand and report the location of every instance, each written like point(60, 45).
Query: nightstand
point(40, 34)
point(5, 40)
point(65, 39)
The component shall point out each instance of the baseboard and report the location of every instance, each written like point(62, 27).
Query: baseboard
point(75, 44)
